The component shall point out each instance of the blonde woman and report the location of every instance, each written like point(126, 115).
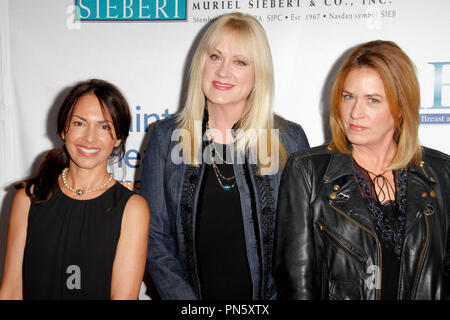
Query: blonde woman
point(211, 172)
point(367, 217)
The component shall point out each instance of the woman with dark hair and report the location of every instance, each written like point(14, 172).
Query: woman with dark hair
point(368, 216)
point(75, 232)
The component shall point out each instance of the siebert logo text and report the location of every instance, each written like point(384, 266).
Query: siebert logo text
point(130, 10)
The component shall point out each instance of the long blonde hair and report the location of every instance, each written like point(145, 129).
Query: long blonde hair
point(258, 113)
point(402, 92)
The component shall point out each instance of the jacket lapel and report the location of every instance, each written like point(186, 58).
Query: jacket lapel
point(343, 191)
point(420, 193)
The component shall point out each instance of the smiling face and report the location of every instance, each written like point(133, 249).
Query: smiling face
point(90, 136)
point(228, 78)
point(364, 109)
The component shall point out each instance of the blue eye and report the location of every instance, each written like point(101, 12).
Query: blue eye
point(373, 100)
point(346, 96)
point(214, 57)
point(240, 63)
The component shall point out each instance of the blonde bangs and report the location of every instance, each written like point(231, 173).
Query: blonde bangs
point(254, 48)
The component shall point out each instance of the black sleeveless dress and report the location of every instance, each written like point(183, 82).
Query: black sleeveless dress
point(71, 244)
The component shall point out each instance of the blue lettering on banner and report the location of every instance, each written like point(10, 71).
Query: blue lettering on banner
point(437, 118)
point(140, 122)
point(130, 10)
point(438, 84)
point(131, 159)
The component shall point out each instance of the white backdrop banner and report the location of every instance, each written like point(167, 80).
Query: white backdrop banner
point(145, 47)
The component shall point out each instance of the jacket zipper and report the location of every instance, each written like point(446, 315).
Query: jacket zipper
point(373, 235)
point(422, 255)
point(427, 240)
point(340, 242)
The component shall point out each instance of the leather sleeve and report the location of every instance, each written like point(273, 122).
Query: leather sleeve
point(294, 256)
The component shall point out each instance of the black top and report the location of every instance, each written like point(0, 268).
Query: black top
point(71, 244)
point(222, 259)
point(391, 262)
point(389, 223)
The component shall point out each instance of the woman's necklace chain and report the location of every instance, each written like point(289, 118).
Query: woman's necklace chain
point(216, 170)
point(79, 191)
point(219, 154)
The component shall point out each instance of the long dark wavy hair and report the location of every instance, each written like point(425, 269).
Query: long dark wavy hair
point(112, 101)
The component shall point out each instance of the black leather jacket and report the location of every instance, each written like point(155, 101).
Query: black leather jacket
point(326, 245)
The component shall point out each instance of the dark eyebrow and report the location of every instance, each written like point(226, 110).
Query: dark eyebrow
point(83, 119)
